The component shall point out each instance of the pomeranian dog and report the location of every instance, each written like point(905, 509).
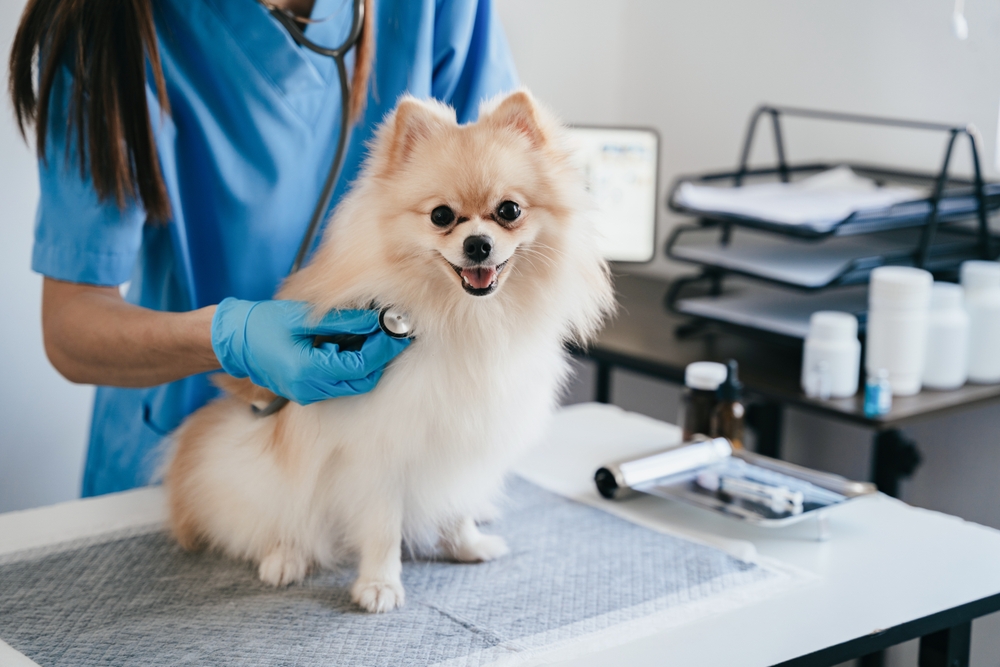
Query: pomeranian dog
point(480, 232)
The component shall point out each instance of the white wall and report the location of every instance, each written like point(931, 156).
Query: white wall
point(43, 418)
point(695, 70)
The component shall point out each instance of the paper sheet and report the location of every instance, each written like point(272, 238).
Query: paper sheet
point(820, 201)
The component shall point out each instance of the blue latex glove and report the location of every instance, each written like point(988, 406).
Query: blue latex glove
point(271, 342)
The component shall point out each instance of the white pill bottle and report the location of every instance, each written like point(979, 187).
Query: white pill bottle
point(981, 282)
point(947, 362)
point(831, 356)
point(899, 299)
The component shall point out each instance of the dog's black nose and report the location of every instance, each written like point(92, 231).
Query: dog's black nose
point(478, 248)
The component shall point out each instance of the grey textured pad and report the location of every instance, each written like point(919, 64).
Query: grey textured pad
point(573, 570)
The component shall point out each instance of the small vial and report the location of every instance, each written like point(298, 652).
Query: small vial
point(727, 416)
point(701, 382)
point(878, 394)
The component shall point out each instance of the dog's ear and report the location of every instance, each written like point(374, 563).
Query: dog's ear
point(412, 121)
point(519, 112)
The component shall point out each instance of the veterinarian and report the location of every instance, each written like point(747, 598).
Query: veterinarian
point(182, 152)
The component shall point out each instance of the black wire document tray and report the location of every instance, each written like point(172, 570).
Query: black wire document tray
point(795, 262)
point(736, 483)
point(896, 199)
point(818, 200)
point(771, 309)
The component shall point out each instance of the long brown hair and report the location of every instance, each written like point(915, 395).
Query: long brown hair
point(107, 43)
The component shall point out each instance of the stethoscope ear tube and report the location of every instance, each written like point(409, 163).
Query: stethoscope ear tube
point(326, 195)
point(269, 409)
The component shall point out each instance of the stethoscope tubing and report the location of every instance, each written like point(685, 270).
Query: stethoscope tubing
point(338, 55)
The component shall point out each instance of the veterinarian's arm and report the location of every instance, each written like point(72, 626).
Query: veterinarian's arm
point(93, 336)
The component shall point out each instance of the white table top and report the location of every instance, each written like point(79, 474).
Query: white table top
point(886, 564)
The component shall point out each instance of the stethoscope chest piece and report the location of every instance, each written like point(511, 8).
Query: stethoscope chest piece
point(395, 323)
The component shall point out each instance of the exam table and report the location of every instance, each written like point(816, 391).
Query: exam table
point(889, 572)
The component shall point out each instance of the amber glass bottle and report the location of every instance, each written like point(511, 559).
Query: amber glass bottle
point(727, 418)
point(701, 387)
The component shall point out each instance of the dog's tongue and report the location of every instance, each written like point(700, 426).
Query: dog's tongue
point(480, 277)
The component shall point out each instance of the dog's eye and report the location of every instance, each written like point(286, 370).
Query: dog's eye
point(442, 216)
point(509, 211)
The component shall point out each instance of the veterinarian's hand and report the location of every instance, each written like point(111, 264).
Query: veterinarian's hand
point(271, 342)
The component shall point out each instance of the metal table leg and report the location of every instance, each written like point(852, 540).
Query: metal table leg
point(603, 382)
point(894, 457)
point(876, 659)
point(765, 419)
point(947, 648)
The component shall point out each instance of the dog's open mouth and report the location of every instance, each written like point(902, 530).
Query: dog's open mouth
point(479, 280)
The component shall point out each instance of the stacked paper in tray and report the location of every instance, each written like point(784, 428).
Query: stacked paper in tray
point(773, 309)
point(820, 201)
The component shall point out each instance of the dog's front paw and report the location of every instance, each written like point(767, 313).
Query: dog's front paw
point(482, 548)
point(282, 567)
point(378, 596)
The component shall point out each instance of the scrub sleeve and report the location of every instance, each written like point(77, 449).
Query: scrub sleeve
point(244, 153)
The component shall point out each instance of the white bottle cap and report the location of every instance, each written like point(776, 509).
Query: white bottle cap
point(946, 296)
point(899, 287)
point(707, 375)
point(833, 326)
point(980, 274)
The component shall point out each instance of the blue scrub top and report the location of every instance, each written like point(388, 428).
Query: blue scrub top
point(244, 151)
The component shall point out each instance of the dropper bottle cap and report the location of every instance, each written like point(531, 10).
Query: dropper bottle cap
point(732, 389)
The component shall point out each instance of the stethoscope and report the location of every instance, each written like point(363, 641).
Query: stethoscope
point(393, 322)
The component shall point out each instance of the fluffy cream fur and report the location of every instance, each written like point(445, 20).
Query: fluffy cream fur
point(424, 455)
